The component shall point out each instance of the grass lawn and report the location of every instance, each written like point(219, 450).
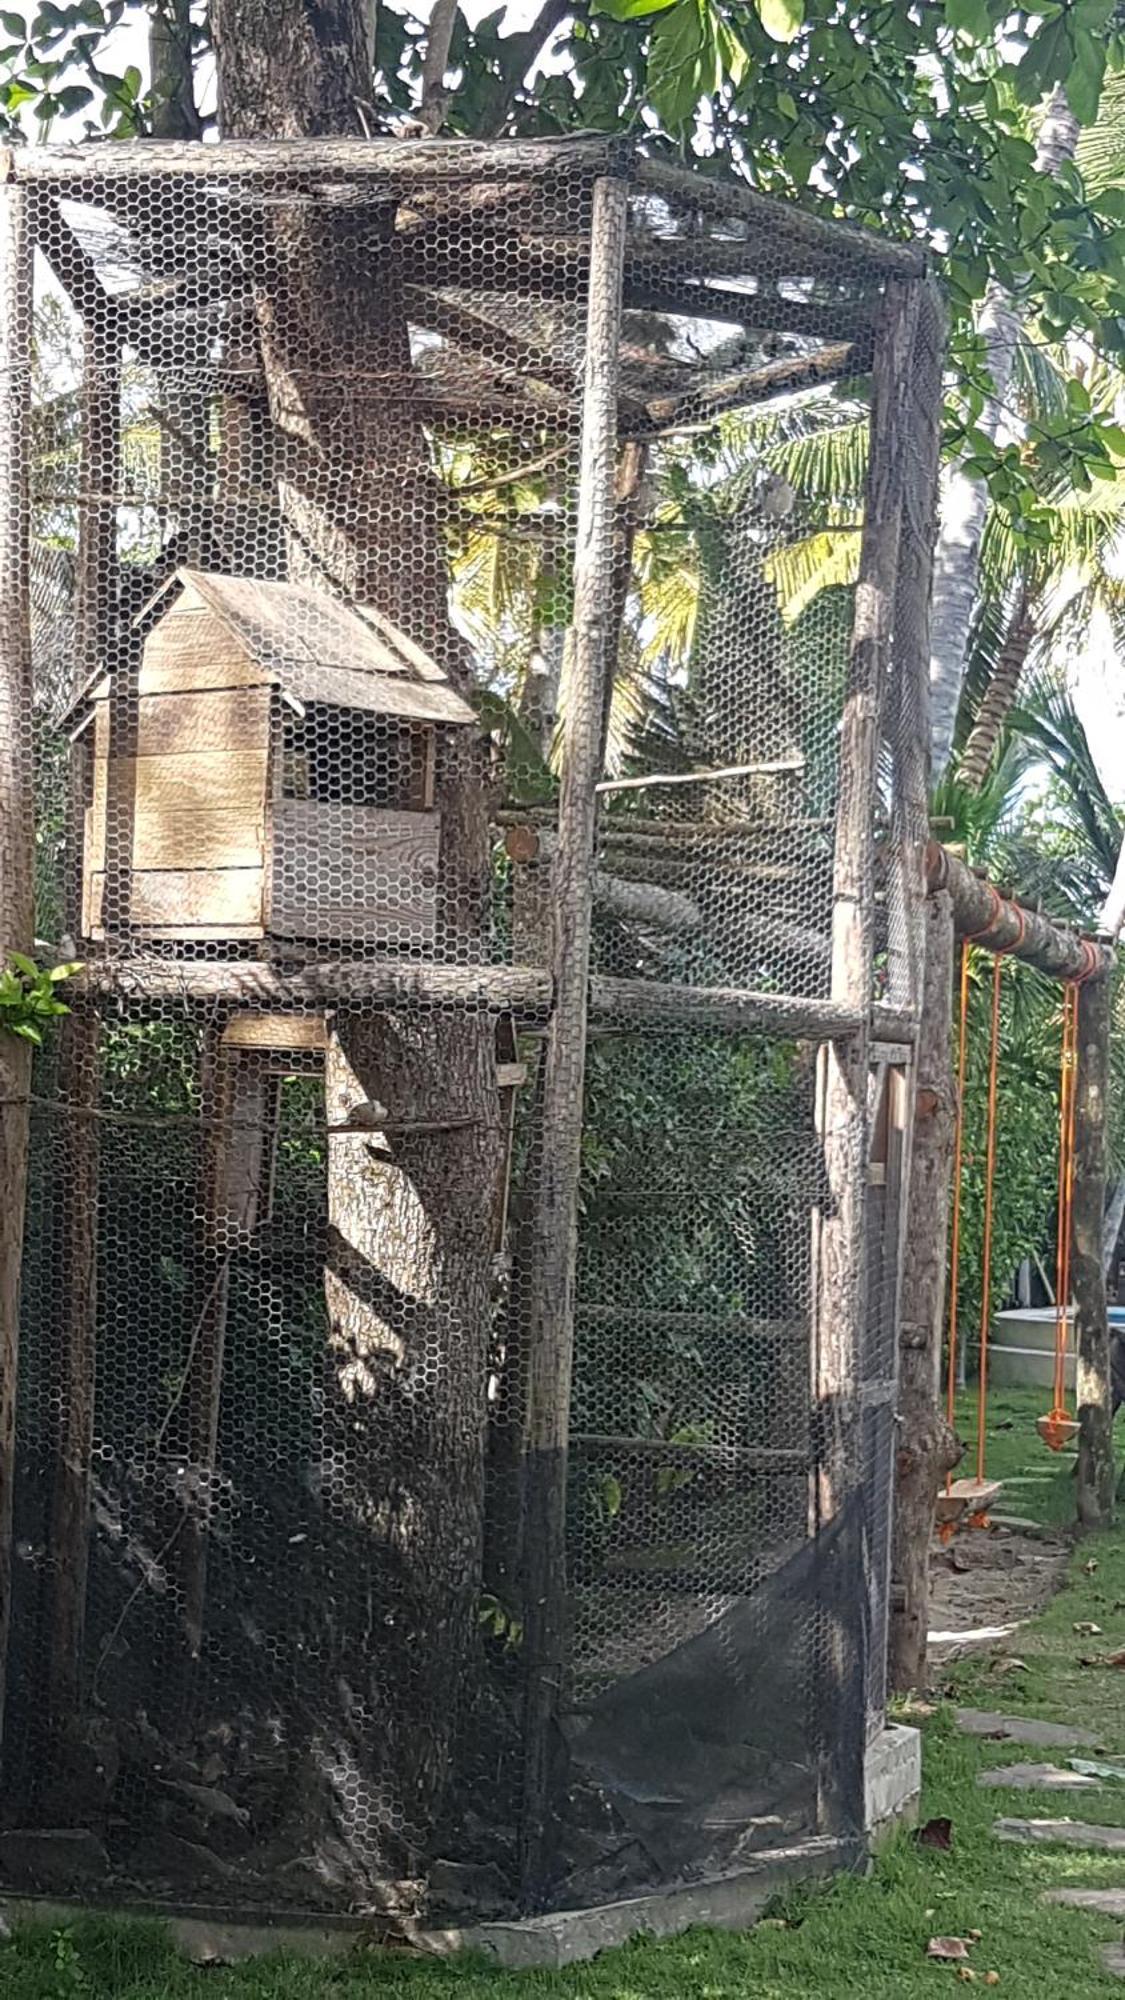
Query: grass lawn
point(859, 1937)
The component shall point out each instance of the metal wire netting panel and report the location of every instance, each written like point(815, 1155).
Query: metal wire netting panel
point(315, 1606)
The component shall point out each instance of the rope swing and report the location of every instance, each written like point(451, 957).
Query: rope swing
point(1058, 1427)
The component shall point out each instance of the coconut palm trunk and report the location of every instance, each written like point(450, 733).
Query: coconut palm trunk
point(964, 500)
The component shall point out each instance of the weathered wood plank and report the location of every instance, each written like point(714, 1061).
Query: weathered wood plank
point(177, 724)
point(177, 901)
point(276, 1031)
point(229, 781)
point(182, 838)
point(356, 872)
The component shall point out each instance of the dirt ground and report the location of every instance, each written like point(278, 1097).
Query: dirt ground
point(986, 1583)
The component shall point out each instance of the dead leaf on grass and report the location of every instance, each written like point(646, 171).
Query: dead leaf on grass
point(992, 1979)
point(952, 1949)
point(966, 1974)
point(936, 1833)
point(1103, 1659)
point(1010, 1664)
point(1086, 1629)
point(1091, 1567)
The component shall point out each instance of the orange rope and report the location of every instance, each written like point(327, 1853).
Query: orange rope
point(989, 1176)
point(1056, 1427)
point(955, 1231)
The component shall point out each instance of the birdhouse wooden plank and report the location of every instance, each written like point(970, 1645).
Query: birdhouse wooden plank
point(280, 775)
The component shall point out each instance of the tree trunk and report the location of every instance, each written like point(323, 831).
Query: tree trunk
point(401, 1457)
point(965, 499)
point(927, 1448)
point(1000, 695)
point(1094, 1399)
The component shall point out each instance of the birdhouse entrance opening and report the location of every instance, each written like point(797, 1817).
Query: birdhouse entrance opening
point(356, 759)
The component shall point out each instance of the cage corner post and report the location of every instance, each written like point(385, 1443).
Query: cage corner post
point(17, 823)
point(925, 980)
point(1094, 1490)
point(550, 1318)
point(840, 1280)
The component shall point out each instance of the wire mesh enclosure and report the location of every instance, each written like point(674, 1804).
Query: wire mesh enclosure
point(463, 624)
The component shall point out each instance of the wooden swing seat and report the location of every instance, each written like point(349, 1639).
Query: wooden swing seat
point(967, 1496)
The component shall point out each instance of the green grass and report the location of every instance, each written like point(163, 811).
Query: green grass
point(860, 1936)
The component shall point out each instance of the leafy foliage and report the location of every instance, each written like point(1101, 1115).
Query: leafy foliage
point(29, 996)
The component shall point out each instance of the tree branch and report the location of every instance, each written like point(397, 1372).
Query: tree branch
point(443, 20)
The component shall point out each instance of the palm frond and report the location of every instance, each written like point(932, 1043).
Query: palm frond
point(800, 570)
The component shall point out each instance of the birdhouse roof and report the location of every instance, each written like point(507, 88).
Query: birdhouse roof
point(311, 647)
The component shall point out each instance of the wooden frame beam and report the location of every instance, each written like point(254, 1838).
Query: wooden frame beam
point(997, 923)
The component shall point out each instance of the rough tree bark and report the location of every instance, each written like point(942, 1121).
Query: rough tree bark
point(401, 1456)
point(1001, 692)
point(927, 1447)
point(1094, 1399)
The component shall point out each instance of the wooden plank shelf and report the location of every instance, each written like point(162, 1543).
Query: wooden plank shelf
point(967, 1496)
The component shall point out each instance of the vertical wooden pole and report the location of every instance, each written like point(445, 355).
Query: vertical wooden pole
point(840, 1317)
point(76, 1148)
point(1094, 1492)
point(912, 933)
point(235, 1104)
point(17, 817)
point(555, 1217)
point(927, 1448)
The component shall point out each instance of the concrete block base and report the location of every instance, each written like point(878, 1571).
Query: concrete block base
point(892, 1780)
point(726, 1902)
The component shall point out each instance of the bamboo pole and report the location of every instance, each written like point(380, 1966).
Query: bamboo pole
point(554, 1223)
point(840, 1295)
point(17, 819)
point(1094, 1492)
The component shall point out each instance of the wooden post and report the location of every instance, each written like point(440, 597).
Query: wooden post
point(236, 1104)
point(554, 1222)
point(927, 1448)
point(17, 818)
point(840, 1313)
point(76, 1147)
point(1094, 1493)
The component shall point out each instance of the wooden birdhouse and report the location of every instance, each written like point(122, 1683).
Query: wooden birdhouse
point(271, 773)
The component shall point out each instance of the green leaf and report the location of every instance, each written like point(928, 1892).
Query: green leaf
point(781, 19)
point(631, 10)
point(1084, 83)
point(24, 964)
point(611, 1496)
point(69, 970)
point(971, 17)
point(675, 67)
point(14, 24)
point(27, 1031)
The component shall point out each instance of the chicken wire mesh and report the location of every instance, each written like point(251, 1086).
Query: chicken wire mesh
point(310, 435)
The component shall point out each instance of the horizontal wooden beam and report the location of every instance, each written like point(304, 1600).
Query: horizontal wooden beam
point(686, 187)
point(998, 923)
point(521, 990)
point(407, 162)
